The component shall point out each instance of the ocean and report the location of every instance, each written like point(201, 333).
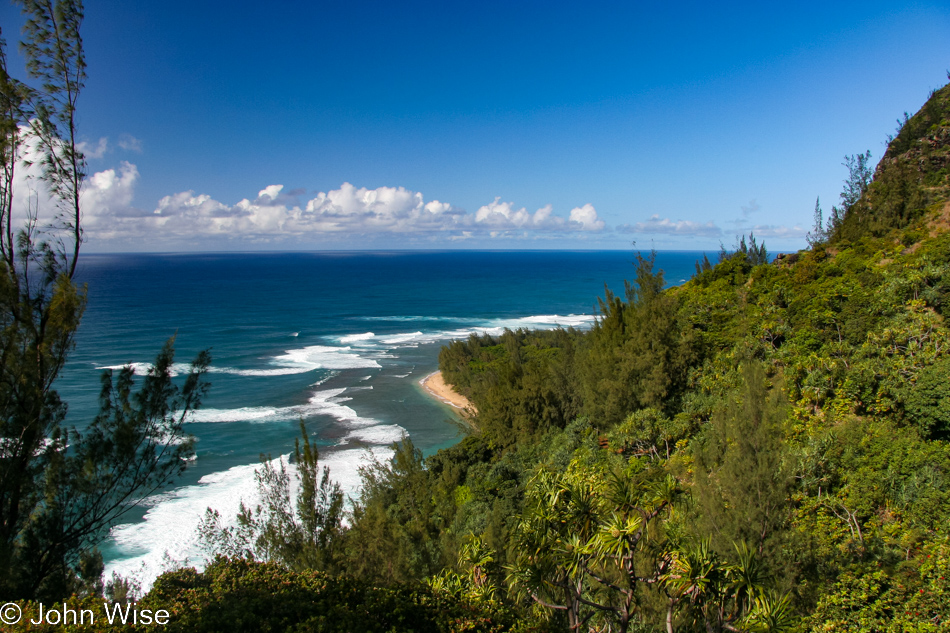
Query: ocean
point(340, 340)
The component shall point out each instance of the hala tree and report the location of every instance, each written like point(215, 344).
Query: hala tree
point(591, 542)
point(61, 489)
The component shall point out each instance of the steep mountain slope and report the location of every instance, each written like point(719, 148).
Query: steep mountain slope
point(912, 181)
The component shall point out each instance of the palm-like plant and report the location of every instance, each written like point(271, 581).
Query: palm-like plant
point(590, 540)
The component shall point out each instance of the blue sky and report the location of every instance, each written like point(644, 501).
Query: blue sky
point(288, 125)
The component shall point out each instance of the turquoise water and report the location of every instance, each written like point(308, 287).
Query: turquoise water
point(339, 340)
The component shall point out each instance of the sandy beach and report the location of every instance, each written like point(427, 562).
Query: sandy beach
point(436, 386)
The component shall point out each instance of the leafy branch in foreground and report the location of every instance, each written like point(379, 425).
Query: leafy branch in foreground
point(60, 490)
point(79, 483)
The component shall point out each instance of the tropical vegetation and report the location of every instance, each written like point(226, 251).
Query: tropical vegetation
point(763, 448)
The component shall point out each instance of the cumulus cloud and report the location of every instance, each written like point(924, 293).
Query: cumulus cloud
point(109, 193)
point(275, 215)
point(586, 217)
point(665, 226)
point(503, 215)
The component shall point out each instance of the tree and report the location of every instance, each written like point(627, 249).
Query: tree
point(818, 234)
point(860, 172)
point(742, 481)
point(591, 544)
point(754, 252)
point(77, 484)
point(395, 528)
point(637, 355)
point(61, 489)
point(301, 533)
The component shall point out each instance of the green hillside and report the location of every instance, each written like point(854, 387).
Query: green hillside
point(761, 448)
point(764, 448)
point(911, 182)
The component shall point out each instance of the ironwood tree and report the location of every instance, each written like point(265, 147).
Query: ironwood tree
point(61, 489)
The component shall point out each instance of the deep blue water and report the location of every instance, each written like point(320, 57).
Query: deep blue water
point(339, 340)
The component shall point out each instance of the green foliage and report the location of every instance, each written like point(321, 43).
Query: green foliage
point(479, 578)
point(707, 593)
point(60, 490)
point(927, 402)
point(913, 175)
point(395, 529)
point(243, 596)
point(913, 598)
point(592, 541)
point(301, 534)
point(859, 177)
point(872, 491)
point(521, 382)
point(742, 481)
point(73, 489)
point(819, 233)
point(638, 354)
point(238, 595)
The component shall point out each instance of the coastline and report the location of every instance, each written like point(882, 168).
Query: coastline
point(436, 387)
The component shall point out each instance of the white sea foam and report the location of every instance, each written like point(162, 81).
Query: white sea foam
point(169, 530)
point(178, 369)
point(171, 523)
point(570, 320)
point(324, 357)
point(493, 327)
point(353, 338)
point(328, 402)
point(345, 464)
point(384, 434)
point(330, 375)
point(294, 361)
point(282, 371)
point(141, 369)
point(242, 414)
point(400, 339)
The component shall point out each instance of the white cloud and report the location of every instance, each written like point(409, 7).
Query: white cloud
point(384, 209)
point(108, 193)
point(357, 214)
point(276, 215)
point(94, 151)
point(586, 216)
point(503, 215)
point(130, 143)
point(666, 226)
